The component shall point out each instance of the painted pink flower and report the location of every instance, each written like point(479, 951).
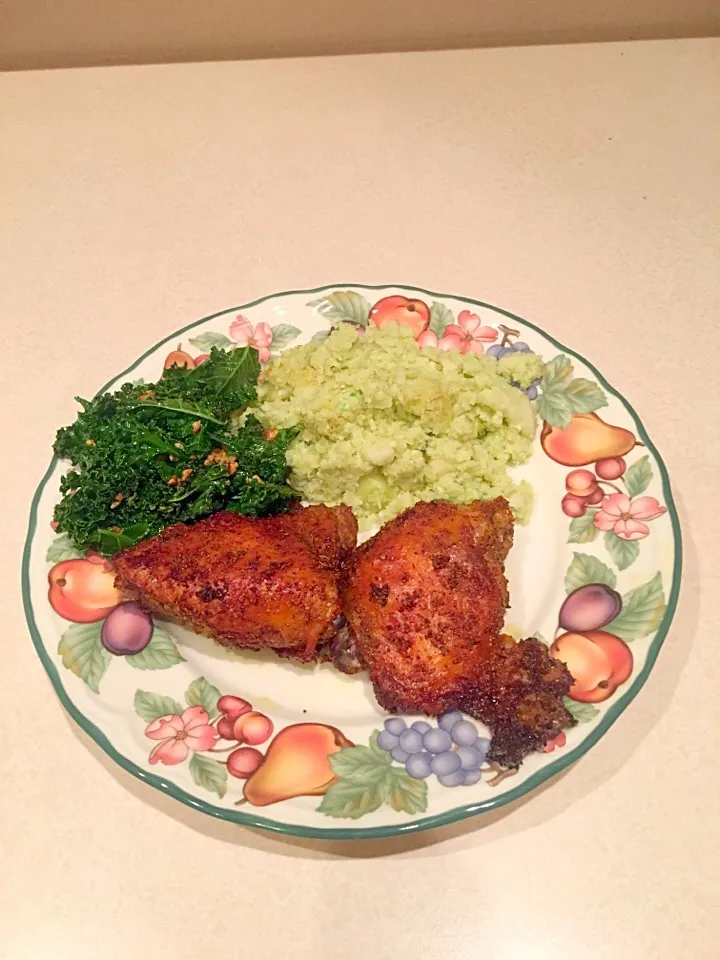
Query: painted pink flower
point(467, 335)
point(179, 735)
point(624, 516)
point(260, 336)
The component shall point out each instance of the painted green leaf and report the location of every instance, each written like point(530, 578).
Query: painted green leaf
point(360, 763)
point(581, 712)
point(83, 653)
point(538, 636)
point(556, 372)
point(584, 395)
point(405, 794)
point(149, 706)
point(440, 317)
point(200, 693)
point(206, 341)
point(642, 611)
point(320, 337)
point(638, 476)
point(582, 529)
point(586, 569)
point(622, 552)
point(555, 408)
point(343, 305)
point(159, 654)
point(352, 798)
point(209, 774)
point(283, 334)
point(562, 395)
point(62, 549)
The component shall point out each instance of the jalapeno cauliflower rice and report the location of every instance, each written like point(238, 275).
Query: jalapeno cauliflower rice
point(384, 423)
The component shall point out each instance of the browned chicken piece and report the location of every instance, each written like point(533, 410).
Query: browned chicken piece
point(248, 583)
point(425, 602)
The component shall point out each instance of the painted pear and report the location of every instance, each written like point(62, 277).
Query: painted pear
point(586, 439)
point(296, 764)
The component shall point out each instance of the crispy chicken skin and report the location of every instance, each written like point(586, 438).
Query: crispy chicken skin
point(248, 583)
point(425, 602)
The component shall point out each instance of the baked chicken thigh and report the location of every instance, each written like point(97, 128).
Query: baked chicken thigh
point(425, 602)
point(249, 583)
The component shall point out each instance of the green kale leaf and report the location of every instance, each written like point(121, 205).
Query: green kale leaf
point(150, 455)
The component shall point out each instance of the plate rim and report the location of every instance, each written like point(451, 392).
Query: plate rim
point(455, 814)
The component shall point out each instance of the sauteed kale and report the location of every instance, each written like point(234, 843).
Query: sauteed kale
point(149, 455)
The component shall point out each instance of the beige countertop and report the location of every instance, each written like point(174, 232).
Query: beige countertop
point(575, 186)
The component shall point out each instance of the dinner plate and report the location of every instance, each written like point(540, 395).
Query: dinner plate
point(594, 574)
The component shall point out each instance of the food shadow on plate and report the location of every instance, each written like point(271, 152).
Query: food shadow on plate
point(206, 646)
point(546, 802)
point(210, 648)
point(343, 701)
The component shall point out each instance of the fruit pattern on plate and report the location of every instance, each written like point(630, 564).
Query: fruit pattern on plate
point(432, 326)
point(596, 624)
point(220, 735)
point(209, 724)
point(103, 626)
point(453, 750)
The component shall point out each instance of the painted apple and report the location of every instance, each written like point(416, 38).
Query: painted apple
point(581, 483)
point(82, 591)
point(408, 313)
point(179, 358)
point(243, 762)
point(225, 728)
point(233, 707)
point(253, 728)
point(599, 662)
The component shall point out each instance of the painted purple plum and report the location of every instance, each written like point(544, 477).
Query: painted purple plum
point(589, 608)
point(127, 629)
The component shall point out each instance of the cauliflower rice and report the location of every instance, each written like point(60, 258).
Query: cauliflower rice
point(384, 424)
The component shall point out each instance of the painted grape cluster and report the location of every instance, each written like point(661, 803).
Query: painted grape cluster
point(453, 750)
point(506, 348)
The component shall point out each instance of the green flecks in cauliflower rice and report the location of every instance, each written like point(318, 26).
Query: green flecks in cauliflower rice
point(384, 424)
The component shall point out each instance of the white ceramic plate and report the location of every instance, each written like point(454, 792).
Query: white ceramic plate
point(164, 701)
